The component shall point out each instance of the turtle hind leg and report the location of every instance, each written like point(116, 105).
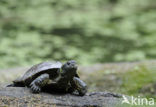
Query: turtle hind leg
point(39, 82)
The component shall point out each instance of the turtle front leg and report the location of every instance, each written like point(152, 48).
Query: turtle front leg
point(79, 85)
point(39, 82)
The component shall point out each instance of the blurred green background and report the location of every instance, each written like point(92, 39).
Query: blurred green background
point(92, 32)
point(89, 31)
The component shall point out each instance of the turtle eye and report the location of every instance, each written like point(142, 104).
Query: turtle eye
point(68, 63)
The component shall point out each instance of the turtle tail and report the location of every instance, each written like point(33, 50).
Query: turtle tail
point(16, 83)
point(10, 85)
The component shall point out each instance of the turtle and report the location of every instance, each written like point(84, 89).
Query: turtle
point(52, 76)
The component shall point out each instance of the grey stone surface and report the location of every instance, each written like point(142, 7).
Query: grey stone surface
point(22, 97)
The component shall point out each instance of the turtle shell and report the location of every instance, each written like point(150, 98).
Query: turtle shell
point(44, 67)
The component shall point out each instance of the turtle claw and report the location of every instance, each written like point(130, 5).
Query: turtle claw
point(31, 85)
point(34, 88)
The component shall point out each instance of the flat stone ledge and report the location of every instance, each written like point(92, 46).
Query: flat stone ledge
point(22, 97)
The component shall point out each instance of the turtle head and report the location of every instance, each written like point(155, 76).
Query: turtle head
point(69, 68)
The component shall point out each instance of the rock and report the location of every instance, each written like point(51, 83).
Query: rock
point(22, 97)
